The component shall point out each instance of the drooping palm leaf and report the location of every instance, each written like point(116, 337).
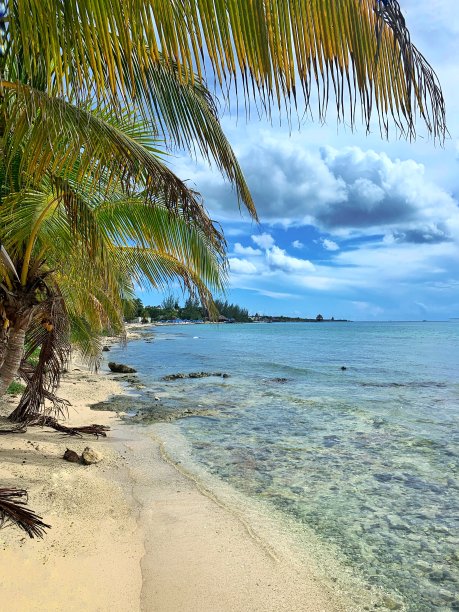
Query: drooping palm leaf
point(55, 136)
point(48, 332)
point(357, 49)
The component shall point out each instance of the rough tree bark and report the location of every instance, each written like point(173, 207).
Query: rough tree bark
point(12, 356)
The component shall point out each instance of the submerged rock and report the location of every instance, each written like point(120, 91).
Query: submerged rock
point(181, 375)
point(105, 349)
point(120, 368)
point(391, 603)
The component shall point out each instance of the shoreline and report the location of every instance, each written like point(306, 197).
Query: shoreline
point(136, 532)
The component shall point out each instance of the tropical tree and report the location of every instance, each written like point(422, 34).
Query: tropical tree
point(71, 155)
point(75, 254)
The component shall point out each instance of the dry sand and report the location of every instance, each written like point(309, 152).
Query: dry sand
point(132, 532)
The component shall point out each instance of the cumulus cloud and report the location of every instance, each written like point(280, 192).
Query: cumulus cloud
point(329, 245)
point(278, 259)
point(248, 251)
point(343, 191)
point(241, 266)
point(381, 193)
point(265, 241)
point(296, 244)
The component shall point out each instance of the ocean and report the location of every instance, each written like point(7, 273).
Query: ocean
point(348, 429)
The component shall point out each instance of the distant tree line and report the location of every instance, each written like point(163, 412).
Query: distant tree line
point(192, 310)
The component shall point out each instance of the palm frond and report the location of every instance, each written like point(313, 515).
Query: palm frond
point(156, 269)
point(351, 49)
point(13, 511)
point(55, 136)
point(187, 117)
point(48, 332)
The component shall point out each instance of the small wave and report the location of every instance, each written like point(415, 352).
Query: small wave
point(412, 384)
point(284, 367)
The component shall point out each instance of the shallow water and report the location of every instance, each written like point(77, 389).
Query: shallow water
point(367, 457)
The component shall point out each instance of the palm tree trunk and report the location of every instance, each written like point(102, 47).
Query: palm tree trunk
point(12, 357)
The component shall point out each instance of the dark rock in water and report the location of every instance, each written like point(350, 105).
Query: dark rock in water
point(105, 349)
point(72, 456)
point(383, 477)
point(174, 376)
point(343, 368)
point(168, 414)
point(278, 380)
point(331, 441)
point(120, 368)
point(132, 380)
point(181, 375)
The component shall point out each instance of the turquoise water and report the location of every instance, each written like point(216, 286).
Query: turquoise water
point(367, 457)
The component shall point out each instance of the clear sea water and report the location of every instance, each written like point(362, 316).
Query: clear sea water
point(368, 457)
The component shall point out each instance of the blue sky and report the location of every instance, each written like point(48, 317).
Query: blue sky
point(350, 225)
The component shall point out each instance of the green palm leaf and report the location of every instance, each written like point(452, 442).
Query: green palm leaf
point(357, 49)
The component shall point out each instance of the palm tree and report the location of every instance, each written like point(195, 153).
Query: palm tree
point(76, 253)
point(74, 156)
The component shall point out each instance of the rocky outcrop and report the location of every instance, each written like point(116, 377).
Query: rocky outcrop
point(181, 375)
point(120, 368)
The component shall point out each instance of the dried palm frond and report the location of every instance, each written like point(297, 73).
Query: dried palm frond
point(49, 421)
point(49, 332)
point(12, 511)
point(20, 428)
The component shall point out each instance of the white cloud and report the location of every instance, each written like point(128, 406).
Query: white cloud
point(329, 245)
point(296, 244)
point(277, 294)
point(248, 251)
point(348, 190)
point(241, 266)
point(278, 259)
point(265, 241)
point(235, 231)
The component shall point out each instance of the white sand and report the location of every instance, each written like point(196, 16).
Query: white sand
point(132, 532)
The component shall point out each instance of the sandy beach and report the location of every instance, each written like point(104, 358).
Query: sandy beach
point(133, 532)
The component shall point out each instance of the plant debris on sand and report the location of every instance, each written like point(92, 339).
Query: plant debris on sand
point(12, 511)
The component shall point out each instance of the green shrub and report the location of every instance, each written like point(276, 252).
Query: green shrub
point(16, 388)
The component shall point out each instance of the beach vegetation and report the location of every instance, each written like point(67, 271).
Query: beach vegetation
point(15, 388)
point(193, 310)
point(233, 312)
